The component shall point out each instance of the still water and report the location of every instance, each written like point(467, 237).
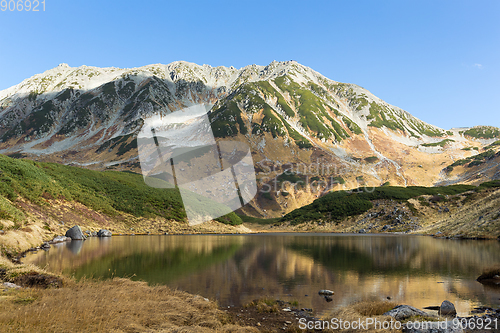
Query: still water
point(236, 269)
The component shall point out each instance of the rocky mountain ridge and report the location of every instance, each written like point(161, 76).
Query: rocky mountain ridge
point(292, 117)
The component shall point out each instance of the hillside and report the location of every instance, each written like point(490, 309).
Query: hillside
point(294, 120)
point(38, 200)
point(446, 211)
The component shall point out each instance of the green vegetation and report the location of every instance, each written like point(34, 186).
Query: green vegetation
point(224, 120)
point(109, 192)
point(438, 144)
point(122, 141)
point(300, 141)
point(64, 95)
point(270, 123)
point(338, 205)
point(474, 160)
point(382, 117)
point(291, 177)
point(482, 132)
point(311, 109)
point(338, 180)
point(425, 129)
point(493, 145)
point(352, 125)
point(472, 148)
point(304, 144)
point(371, 159)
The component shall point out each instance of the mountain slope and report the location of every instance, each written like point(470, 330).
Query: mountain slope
point(292, 117)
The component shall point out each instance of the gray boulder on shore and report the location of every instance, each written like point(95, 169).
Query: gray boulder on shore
point(104, 233)
point(75, 233)
point(447, 309)
point(59, 239)
point(402, 312)
point(10, 285)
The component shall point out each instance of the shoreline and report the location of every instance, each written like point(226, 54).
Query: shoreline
point(246, 318)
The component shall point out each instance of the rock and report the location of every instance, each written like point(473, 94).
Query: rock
point(104, 233)
point(328, 299)
point(446, 210)
point(433, 327)
point(11, 285)
point(362, 231)
point(402, 312)
point(59, 239)
point(447, 309)
point(2, 232)
point(45, 246)
point(75, 233)
point(326, 292)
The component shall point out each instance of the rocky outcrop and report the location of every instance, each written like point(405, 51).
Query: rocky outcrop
point(104, 233)
point(447, 309)
point(75, 233)
point(60, 239)
point(402, 312)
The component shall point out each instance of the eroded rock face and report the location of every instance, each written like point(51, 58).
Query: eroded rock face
point(75, 233)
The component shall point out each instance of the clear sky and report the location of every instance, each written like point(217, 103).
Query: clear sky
point(438, 59)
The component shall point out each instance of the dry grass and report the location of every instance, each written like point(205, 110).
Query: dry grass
point(478, 217)
point(489, 274)
point(118, 305)
point(264, 305)
point(373, 308)
point(362, 311)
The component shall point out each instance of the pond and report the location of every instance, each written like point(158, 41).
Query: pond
point(236, 269)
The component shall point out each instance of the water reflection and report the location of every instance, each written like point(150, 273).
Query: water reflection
point(236, 269)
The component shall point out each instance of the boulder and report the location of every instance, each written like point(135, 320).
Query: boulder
point(59, 239)
point(402, 312)
point(447, 309)
point(75, 233)
point(104, 233)
point(326, 292)
point(11, 285)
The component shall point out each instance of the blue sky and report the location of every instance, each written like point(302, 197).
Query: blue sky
point(439, 60)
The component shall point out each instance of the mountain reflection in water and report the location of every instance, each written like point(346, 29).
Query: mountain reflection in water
point(235, 269)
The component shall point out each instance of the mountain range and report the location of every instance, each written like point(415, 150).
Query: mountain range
point(304, 130)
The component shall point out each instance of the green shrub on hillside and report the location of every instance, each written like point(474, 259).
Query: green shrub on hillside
point(438, 144)
point(341, 204)
point(110, 192)
point(482, 132)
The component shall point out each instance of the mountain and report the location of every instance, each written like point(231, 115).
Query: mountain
point(307, 133)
